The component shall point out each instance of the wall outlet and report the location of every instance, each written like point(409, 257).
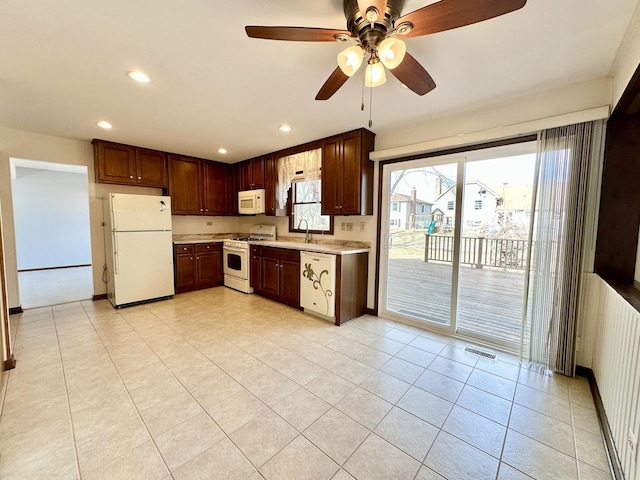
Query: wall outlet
point(209, 224)
point(633, 444)
point(349, 227)
point(342, 227)
point(363, 226)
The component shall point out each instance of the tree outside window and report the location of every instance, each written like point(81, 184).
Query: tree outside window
point(306, 205)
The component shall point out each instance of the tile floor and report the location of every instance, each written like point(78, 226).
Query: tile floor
point(216, 385)
point(53, 287)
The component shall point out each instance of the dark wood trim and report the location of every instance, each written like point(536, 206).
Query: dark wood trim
point(15, 310)
point(435, 153)
point(372, 311)
point(53, 268)
point(607, 435)
point(10, 364)
point(101, 296)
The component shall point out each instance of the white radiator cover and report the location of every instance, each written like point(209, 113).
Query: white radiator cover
point(616, 367)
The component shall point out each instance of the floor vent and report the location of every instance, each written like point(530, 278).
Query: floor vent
point(482, 353)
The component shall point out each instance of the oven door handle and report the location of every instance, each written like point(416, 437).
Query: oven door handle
point(235, 250)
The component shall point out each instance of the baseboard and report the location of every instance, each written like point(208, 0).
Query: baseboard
point(607, 435)
point(10, 364)
point(14, 310)
point(102, 296)
point(52, 268)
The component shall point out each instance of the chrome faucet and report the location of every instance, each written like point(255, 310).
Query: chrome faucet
point(307, 235)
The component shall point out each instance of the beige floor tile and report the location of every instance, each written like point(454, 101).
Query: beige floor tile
point(387, 345)
point(440, 385)
point(300, 460)
point(556, 385)
point(364, 407)
point(102, 415)
point(416, 356)
point(146, 396)
point(330, 387)
point(169, 413)
point(426, 473)
point(354, 371)
point(587, 472)
point(377, 459)
point(500, 368)
point(301, 408)
point(507, 472)
point(371, 356)
point(456, 353)
point(425, 405)
point(485, 404)
point(263, 437)
point(385, 386)
point(342, 475)
point(491, 383)
point(543, 428)
point(40, 441)
point(188, 440)
point(101, 448)
point(451, 368)
point(337, 435)
point(591, 450)
point(223, 458)
point(406, 371)
point(142, 463)
point(585, 418)
point(428, 345)
point(537, 460)
point(236, 411)
point(20, 421)
point(476, 430)
point(58, 464)
point(453, 458)
point(407, 432)
point(551, 405)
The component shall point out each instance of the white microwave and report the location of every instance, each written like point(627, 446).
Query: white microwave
point(251, 202)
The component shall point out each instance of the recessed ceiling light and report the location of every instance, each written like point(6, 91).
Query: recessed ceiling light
point(139, 76)
point(285, 128)
point(223, 151)
point(104, 124)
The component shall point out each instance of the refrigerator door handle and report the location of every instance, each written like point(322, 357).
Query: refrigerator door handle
point(116, 260)
point(114, 216)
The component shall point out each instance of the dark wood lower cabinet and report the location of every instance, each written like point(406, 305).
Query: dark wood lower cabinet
point(197, 266)
point(275, 274)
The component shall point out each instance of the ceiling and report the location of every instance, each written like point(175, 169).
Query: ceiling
point(65, 63)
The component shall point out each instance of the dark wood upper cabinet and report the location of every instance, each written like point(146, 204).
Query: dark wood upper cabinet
point(218, 189)
point(251, 174)
point(185, 185)
point(270, 184)
point(347, 174)
point(127, 165)
point(151, 168)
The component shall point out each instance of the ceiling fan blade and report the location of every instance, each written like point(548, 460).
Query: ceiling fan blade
point(296, 34)
point(332, 85)
point(414, 76)
point(379, 5)
point(449, 14)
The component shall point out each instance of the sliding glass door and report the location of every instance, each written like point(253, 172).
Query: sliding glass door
point(456, 237)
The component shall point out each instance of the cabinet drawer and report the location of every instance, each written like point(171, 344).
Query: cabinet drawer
point(281, 254)
point(184, 248)
point(256, 250)
point(207, 247)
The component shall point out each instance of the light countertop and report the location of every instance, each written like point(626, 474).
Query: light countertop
point(314, 247)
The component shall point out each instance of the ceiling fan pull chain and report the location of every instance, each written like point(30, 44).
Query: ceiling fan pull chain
point(364, 80)
point(370, 106)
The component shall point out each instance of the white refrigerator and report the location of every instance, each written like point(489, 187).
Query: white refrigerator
point(139, 248)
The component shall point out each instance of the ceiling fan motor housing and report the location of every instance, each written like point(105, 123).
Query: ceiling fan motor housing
point(371, 34)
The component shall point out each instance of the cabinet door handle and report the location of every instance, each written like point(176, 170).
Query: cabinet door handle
point(201, 210)
point(139, 178)
point(130, 176)
point(190, 258)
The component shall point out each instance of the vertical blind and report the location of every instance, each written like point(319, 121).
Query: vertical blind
point(567, 162)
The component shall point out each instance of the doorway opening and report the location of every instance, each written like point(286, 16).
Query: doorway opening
point(457, 232)
point(52, 232)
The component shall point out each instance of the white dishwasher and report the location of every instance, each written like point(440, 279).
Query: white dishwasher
point(318, 284)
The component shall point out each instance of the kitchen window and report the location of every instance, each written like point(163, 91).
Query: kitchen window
point(306, 205)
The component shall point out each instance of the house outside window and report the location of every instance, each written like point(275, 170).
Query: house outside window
point(478, 204)
point(305, 204)
point(450, 205)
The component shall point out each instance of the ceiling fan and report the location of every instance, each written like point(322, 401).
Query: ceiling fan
point(377, 27)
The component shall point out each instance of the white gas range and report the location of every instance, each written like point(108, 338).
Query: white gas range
point(236, 257)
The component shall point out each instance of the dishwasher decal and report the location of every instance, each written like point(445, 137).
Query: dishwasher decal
point(312, 276)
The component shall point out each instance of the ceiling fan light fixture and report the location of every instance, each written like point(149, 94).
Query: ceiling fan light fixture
point(372, 15)
point(350, 60)
point(375, 74)
point(391, 52)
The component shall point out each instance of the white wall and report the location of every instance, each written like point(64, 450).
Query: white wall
point(51, 217)
point(627, 58)
point(33, 146)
